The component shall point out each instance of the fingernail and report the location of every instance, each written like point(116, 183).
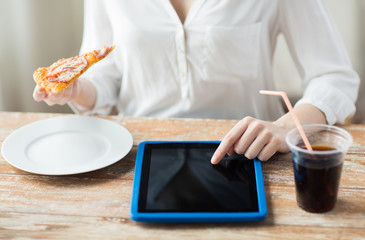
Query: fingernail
point(40, 89)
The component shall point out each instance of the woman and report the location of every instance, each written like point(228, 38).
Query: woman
point(209, 59)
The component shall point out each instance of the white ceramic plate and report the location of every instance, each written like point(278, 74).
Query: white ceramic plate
point(67, 145)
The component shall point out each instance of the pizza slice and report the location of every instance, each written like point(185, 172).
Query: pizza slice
point(64, 72)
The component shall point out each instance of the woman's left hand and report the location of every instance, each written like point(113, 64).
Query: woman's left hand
point(261, 139)
point(253, 138)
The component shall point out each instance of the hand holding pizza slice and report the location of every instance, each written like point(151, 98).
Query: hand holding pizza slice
point(61, 74)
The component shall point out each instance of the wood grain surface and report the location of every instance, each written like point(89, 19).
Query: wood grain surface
point(96, 205)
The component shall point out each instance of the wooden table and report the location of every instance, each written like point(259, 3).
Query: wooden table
point(96, 205)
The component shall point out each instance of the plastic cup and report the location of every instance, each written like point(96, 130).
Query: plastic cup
point(317, 173)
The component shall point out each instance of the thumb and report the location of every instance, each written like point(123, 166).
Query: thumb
point(39, 94)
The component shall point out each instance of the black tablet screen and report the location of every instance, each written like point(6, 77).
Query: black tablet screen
point(178, 177)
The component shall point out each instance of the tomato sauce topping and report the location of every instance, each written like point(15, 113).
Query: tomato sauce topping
point(66, 69)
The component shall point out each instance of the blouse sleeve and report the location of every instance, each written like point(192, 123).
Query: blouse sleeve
point(104, 75)
point(330, 82)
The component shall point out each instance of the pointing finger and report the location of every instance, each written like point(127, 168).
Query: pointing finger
point(228, 141)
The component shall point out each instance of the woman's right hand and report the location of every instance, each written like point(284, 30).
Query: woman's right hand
point(71, 92)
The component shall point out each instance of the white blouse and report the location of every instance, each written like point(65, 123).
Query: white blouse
point(214, 64)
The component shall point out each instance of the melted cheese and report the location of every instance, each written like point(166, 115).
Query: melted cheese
point(65, 70)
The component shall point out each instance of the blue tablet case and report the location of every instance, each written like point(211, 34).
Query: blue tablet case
point(138, 213)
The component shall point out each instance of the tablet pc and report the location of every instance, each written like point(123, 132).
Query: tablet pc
point(175, 182)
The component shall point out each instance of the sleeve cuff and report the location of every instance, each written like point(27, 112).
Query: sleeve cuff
point(98, 107)
point(332, 102)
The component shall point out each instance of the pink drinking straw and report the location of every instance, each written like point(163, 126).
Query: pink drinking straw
point(291, 111)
